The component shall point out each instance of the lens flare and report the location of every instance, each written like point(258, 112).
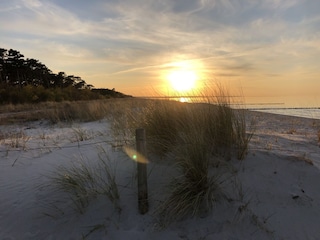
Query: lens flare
point(134, 155)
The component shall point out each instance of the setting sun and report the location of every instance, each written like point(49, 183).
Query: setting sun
point(182, 80)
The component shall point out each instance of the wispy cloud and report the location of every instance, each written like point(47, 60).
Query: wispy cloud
point(42, 19)
point(9, 9)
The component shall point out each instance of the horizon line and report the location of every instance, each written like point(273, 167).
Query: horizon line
point(184, 96)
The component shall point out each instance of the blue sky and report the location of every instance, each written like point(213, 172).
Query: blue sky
point(266, 48)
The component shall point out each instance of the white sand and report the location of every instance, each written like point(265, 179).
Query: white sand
point(281, 191)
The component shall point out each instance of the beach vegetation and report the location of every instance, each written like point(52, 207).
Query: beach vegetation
point(197, 136)
point(84, 181)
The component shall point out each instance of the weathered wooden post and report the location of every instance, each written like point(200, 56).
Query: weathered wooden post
point(142, 171)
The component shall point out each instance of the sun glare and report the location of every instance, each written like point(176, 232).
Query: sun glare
point(182, 80)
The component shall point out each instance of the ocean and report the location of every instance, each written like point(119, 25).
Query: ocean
point(313, 113)
point(291, 106)
point(307, 107)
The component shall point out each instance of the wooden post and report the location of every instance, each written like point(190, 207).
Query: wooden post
point(142, 171)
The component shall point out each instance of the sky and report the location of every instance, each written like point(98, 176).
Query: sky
point(267, 48)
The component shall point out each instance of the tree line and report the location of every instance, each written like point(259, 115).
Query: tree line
point(28, 80)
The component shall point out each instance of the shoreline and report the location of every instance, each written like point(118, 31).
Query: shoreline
point(308, 113)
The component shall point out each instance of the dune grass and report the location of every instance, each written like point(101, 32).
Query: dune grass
point(194, 191)
point(78, 111)
point(84, 181)
point(197, 135)
point(223, 130)
point(57, 112)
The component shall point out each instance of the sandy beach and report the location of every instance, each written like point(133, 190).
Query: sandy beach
point(278, 186)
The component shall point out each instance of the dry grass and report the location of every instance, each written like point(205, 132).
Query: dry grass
point(243, 135)
point(58, 111)
point(83, 182)
point(163, 120)
point(16, 139)
point(125, 117)
point(78, 111)
point(81, 135)
point(223, 130)
point(203, 134)
point(194, 191)
point(197, 136)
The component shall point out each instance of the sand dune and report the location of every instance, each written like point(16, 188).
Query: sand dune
point(279, 179)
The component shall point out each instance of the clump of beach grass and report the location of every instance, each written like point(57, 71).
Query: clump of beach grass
point(195, 190)
point(162, 122)
point(197, 135)
point(126, 115)
point(224, 128)
point(243, 135)
point(84, 181)
point(80, 134)
point(17, 140)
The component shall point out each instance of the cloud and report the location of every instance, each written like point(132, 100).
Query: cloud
point(280, 4)
point(42, 19)
point(9, 9)
point(32, 3)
